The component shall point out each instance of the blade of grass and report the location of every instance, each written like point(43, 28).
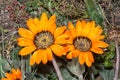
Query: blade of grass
point(94, 11)
point(1, 67)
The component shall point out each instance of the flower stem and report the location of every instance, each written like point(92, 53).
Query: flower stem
point(117, 60)
point(57, 69)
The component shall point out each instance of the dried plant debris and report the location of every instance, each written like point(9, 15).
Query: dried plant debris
point(74, 9)
point(114, 34)
point(12, 13)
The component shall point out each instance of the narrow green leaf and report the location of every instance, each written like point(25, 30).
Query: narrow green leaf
point(107, 74)
point(94, 11)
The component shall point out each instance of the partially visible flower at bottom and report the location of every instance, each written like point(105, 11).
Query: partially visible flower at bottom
point(14, 75)
point(84, 40)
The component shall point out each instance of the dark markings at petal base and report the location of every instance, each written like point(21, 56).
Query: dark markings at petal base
point(82, 43)
point(43, 40)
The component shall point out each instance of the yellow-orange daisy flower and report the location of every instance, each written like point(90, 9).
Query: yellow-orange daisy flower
point(85, 39)
point(14, 75)
point(43, 39)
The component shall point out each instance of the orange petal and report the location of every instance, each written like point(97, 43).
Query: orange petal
point(81, 58)
point(52, 24)
point(83, 24)
point(79, 28)
point(100, 44)
point(26, 33)
point(69, 55)
point(87, 61)
point(75, 53)
point(37, 24)
point(60, 41)
point(100, 37)
point(27, 50)
point(24, 42)
point(49, 54)
point(63, 36)
point(32, 59)
point(31, 25)
point(96, 50)
point(90, 55)
point(4, 79)
point(44, 22)
point(95, 32)
point(13, 70)
point(59, 31)
point(9, 76)
point(86, 29)
point(70, 47)
point(44, 56)
point(39, 55)
point(58, 50)
point(72, 29)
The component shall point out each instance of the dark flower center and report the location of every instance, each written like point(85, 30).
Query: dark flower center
point(43, 40)
point(82, 43)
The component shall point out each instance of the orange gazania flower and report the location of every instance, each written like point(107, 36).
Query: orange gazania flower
point(85, 39)
point(43, 39)
point(14, 75)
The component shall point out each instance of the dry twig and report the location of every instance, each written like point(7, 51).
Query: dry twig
point(117, 60)
point(57, 69)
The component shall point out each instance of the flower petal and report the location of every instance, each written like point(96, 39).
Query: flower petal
point(95, 32)
point(70, 47)
point(100, 44)
point(52, 24)
point(72, 29)
point(44, 56)
point(44, 22)
point(75, 53)
point(33, 59)
point(37, 24)
point(39, 54)
point(49, 54)
point(81, 58)
point(59, 31)
point(86, 29)
point(26, 50)
point(96, 50)
point(60, 41)
point(58, 50)
point(100, 37)
point(26, 33)
point(79, 28)
point(4, 79)
point(24, 42)
point(87, 61)
point(31, 25)
point(69, 55)
point(90, 55)
point(63, 36)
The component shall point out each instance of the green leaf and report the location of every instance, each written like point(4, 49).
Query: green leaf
point(67, 76)
point(76, 68)
point(107, 74)
point(94, 11)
